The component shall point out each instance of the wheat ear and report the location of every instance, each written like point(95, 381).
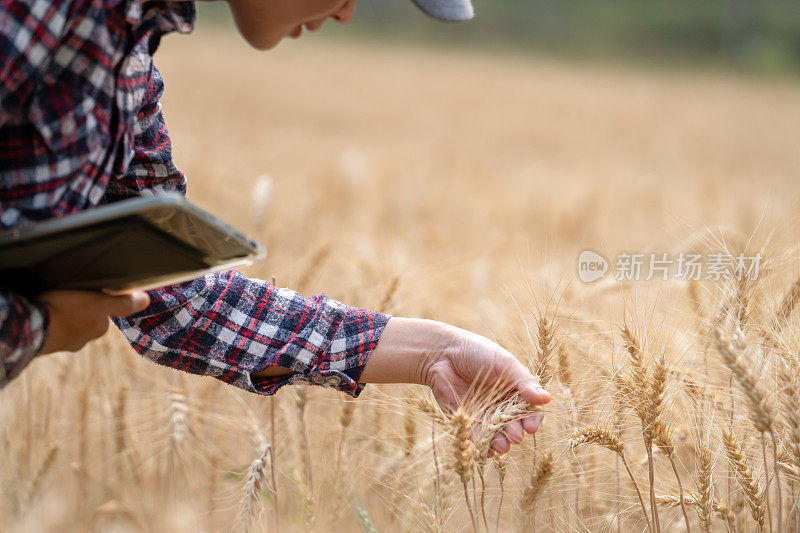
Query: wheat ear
point(720, 507)
point(787, 306)
point(790, 384)
point(178, 410)
point(761, 413)
point(634, 348)
point(463, 462)
point(410, 433)
point(744, 475)
point(565, 374)
point(534, 488)
point(705, 486)
point(544, 352)
point(250, 502)
point(662, 438)
point(504, 414)
point(787, 377)
point(427, 406)
point(653, 410)
point(602, 437)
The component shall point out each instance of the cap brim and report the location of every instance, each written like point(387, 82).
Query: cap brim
point(449, 10)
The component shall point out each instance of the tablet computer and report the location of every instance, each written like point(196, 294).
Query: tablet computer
point(138, 243)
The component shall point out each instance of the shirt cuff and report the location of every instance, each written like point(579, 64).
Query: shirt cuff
point(340, 365)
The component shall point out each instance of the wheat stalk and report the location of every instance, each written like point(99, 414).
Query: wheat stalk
point(656, 384)
point(410, 431)
point(605, 438)
point(501, 466)
point(761, 414)
point(463, 462)
point(705, 487)
point(498, 418)
point(597, 436)
point(634, 348)
point(720, 507)
point(787, 378)
point(177, 421)
point(427, 406)
point(462, 459)
point(744, 475)
point(788, 305)
point(662, 438)
point(790, 388)
point(565, 374)
point(533, 489)
point(301, 399)
point(250, 501)
point(431, 521)
point(546, 334)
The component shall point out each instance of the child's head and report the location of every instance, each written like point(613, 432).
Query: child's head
point(263, 23)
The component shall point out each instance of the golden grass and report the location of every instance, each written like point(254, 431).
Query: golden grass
point(461, 188)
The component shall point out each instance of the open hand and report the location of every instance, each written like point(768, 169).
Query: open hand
point(459, 366)
point(474, 366)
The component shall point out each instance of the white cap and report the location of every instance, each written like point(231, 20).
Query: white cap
point(449, 10)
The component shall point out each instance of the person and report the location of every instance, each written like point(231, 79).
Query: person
point(81, 125)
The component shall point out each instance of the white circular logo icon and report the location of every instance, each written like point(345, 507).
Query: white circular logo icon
point(591, 266)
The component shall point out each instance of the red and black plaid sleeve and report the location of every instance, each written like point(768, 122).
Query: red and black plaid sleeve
point(23, 325)
point(228, 326)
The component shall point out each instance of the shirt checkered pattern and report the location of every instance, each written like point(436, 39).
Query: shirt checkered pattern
point(81, 125)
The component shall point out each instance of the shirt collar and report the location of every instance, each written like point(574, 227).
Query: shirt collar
point(165, 16)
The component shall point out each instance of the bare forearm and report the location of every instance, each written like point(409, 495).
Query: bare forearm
point(406, 349)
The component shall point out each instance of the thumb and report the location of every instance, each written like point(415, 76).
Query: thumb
point(127, 304)
point(528, 386)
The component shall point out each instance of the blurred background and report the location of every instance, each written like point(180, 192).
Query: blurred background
point(445, 171)
point(755, 36)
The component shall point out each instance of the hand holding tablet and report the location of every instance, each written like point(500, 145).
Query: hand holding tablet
point(140, 243)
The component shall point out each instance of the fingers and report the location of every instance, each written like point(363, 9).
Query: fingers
point(534, 394)
point(528, 385)
point(500, 444)
point(514, 432)
point(531, 424)
point(126, 304)
point(519, 378)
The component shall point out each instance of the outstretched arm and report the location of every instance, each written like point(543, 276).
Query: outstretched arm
point(455, 364)
point(253, 335)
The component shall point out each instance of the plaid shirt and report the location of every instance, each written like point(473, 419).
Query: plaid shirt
point(81, 125)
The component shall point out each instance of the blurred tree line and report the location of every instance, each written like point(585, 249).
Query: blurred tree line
point(754, 35)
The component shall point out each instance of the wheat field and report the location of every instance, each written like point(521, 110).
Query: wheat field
point(462, 187)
